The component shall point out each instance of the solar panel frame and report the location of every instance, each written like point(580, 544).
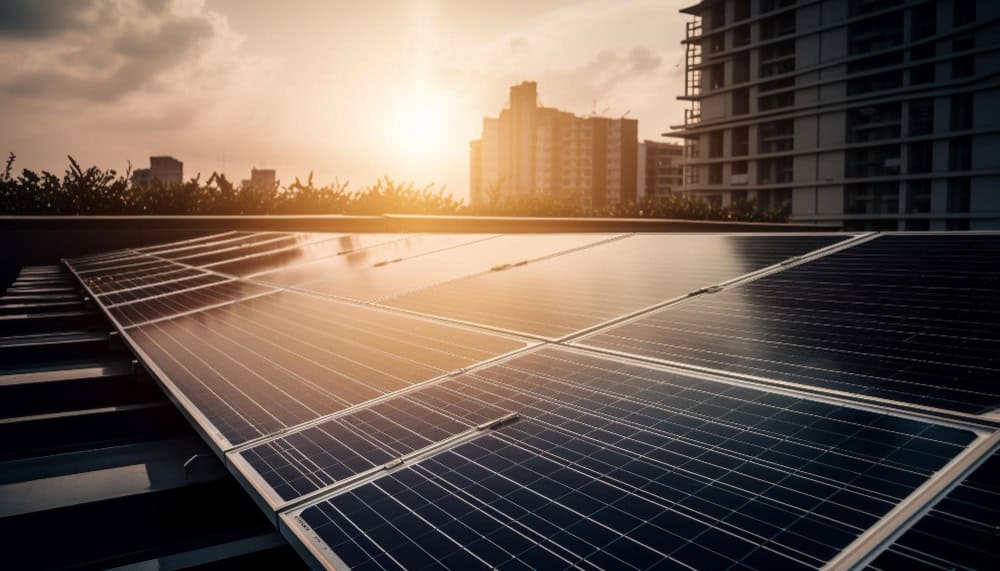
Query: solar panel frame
point(919, 543)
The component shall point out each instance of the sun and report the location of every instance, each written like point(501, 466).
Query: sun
point(421, 122)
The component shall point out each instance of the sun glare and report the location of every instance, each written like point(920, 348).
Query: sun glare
point(420, 123)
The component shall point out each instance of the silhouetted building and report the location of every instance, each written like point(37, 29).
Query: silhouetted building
point(167, 170)
point(531, 149)
point(876, 114)
point(262, 179)
point(661, 172)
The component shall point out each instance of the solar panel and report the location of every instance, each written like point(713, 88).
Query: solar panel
point(617, 464)
point(563, 294)
point(394, 276)
point(908, 318)
point(377, 438)
point(271, 362)
point(962, 531)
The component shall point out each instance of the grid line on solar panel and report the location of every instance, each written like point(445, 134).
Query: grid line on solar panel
point(228, 244)
point(318, 456)
point(193, 242)
point(314, 248)
point(543, 493)
point(145, 292)
point(960, 531)
point(605, 445)
point(888, 319)
point(185, 302)
point(283, 342)
point(564, 294)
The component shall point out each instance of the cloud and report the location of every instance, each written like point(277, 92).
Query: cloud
point(29, 19)
point(134, 48)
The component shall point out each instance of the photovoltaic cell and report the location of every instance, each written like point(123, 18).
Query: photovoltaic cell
point(361, 254)
point(279, 360)
point(303, 462)
point(560, 295)
point(229, 244)
point(903, 317)
point(619, 465)
point(183, 301)
point(962, 531)
point(193, 243)
point(161, 288)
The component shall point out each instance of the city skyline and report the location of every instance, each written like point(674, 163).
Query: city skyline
point(186, 81)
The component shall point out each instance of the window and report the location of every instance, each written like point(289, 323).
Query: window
point(960, 154)
point(715, 144)
point(741, 67)
point(715, 174)
point(740, 146)
point(776, 26)
point(776, 59)
point(959, 194)
point(741, 36)
point(774, 171)
point(775, 136)
point(741, 101)
point(873, 123)
point(717, 76)
point(961, 111)
point(871, 198)
point(921, 74)
point(964, 12)
point(921, 117)
point(923, 21)
point(963, 66)
point(920, 157)
point(741, 10)
point(918, 196)
point(872, 161)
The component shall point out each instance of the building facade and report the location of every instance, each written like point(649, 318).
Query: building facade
point(166, 170)
point(661, 169)
point(534, 150)
point(875, 114)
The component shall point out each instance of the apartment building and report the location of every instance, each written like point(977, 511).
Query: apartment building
point(661, 171)
point(530, 149)
point(874, 114)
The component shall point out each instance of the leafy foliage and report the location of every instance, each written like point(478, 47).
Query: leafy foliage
point(96, 191)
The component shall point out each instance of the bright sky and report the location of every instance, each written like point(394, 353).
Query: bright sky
point(351, 90)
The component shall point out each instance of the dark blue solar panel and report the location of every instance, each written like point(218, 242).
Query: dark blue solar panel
point(563, 294)
point(907, 318)
point(616, 464)
point(961, 532)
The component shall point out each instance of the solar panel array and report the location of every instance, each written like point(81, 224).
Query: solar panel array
point(706, 401)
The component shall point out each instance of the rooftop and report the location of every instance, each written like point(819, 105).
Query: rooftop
point(602, 399)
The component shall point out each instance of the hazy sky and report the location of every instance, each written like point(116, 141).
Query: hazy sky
point(349, 89)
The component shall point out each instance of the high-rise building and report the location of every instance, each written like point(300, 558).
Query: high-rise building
point(531, 150)
point(262, 178)
point(166, 170)
point(661, 172)
point(875, 114)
